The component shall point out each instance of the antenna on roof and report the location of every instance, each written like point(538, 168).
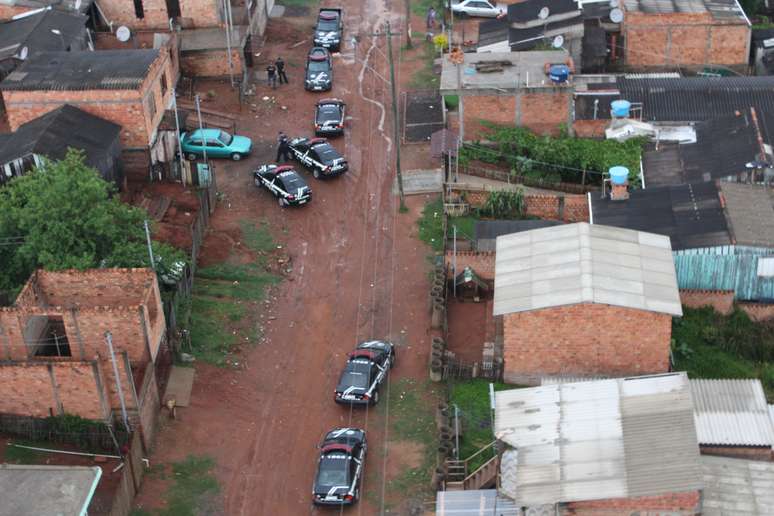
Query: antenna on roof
point(123, 33)
point(616, 15)
point(543, 13)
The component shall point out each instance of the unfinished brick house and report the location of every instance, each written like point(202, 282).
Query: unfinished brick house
point(614, 447)
point(584, 300)
point(131, 88)
point(55, 355)
point(685, 32)
point(508, 88)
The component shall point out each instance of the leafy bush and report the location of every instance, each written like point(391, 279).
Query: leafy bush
point(504, 204)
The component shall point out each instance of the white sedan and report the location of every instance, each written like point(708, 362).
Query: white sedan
point(481, 8)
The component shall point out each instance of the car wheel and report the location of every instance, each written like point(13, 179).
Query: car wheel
point(236, 156)
point(191, 156)
point(316, 174)
point(375, 398)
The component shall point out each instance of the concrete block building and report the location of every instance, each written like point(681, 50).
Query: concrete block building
point(584, 300)
point(131, 88)
point(55, 355)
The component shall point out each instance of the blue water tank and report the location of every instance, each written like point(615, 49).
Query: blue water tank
point(619, 175)
point(620, 108)
point(559, 73)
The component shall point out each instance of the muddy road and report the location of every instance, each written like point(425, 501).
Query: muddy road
point(358, 272)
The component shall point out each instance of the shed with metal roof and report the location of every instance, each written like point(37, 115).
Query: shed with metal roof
point(598, 440)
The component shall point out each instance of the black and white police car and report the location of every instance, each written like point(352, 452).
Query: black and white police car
point(319, 70)
point(366, 369)
point(340, 468)
point(285, 183)
point(329, 117)
point(327, 32)
point(318, 155)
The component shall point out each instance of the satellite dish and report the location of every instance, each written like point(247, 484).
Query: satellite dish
point(123, 33)
point(23, 53)
point(616, 15)
point(558, 41)
point(614, 4)
point(543, 14)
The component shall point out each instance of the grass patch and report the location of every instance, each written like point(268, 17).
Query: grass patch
point(412, 419)
point(193, 491)
point(424, 78)
point(15, 455)
point(472, 401)
point(707, 344)
point(452, 102)
point(466, 225)
point(431, 224)
point(420, 8)
point(224, 294)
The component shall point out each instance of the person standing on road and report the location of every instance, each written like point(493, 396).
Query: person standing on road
point(280, 64)
point(283, 147)
point(431, 18)
point(271, 73)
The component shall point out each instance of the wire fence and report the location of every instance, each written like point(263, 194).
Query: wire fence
point(88, 436)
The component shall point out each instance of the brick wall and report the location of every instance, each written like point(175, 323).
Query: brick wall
point(564, 207)
point(722, 302)
point(686, 503)
point(128, 108)
point(656, 40)
point(211, 63)
point(196, 14)
point(481, 262)
point(90, 288)
point(739, 452)
point(542, 110)
point(44, 389)
point(585, 339)
point(590, 128)
point(758, 312)
point(150, 404)
point(9, 11)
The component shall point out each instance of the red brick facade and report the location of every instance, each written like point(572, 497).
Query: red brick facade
point(482, 263)
point(740, 452)
point(564, 207)
point(721, 301)
point(542, 110)
point(124, 302)
point(687, 503)
point(193, 14)
point(663, 40)
point(211, 63)
point(586, 339)
point(137, 111)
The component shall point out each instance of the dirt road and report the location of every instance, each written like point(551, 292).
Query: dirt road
point(358, 273)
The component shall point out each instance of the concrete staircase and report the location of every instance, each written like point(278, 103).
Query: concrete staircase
point(460, 478)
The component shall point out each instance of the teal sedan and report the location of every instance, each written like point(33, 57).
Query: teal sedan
point(217, 143)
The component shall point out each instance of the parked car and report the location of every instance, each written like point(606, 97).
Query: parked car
point(284, 183)
point(319, 70)
point(366, 369)
point(340, 467)
point(319, 156)
point(329, 117)
point(218, 144)
point(329, 28)
point(482, 8)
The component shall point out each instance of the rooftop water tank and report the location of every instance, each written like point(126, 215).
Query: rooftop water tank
point(620, 108)
point(619, 175)
point(559, 73)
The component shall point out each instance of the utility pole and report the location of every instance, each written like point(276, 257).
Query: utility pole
point(395, 121)
point(409, 44)
point(150, 248)
point(201, 129)
point(227, 15)
point(109, 340)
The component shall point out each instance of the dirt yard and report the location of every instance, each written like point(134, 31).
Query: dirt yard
point(358, 272)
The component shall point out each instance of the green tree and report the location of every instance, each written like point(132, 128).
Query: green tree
point(69, 218)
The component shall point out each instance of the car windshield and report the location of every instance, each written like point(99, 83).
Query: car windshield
point(327, 25)
point(328, 113)
point(327, 153)
point(356, 379)
point(333, 471)
point(226, 138)
point(318, 66)
point(292, 182)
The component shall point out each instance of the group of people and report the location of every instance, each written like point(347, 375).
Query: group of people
point(275, 71)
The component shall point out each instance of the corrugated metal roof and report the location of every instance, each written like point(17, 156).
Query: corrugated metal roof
point(596, 440)
point(737, 487)
point(731, 412)
point(725, 10)
point(737, 273)
point(750, 213)
point(474, 502)
point(583, 263)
